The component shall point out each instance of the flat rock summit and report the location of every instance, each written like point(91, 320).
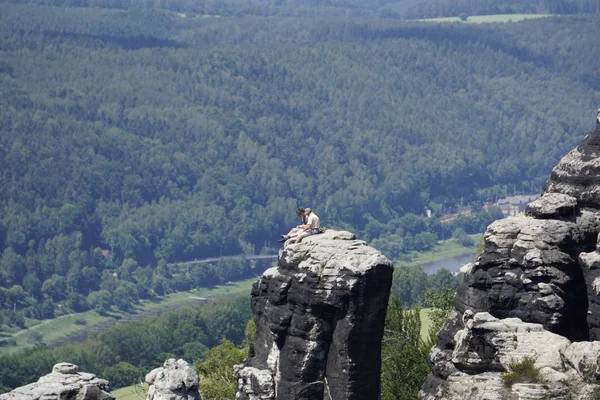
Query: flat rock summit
point(532, 294)
point(319, 318)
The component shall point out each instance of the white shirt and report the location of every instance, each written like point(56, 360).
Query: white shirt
point(313, 221)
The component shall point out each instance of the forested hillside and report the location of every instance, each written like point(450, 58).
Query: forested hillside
point(303, 8)
point(163, 137)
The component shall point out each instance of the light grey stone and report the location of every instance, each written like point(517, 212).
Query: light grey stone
point(552, 205)
point(64, 382)
point(175, 380)
point(486, 348)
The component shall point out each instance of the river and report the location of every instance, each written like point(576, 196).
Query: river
point(451, 264)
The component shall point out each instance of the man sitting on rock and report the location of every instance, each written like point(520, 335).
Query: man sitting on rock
point(298, 228)
point(312, 226)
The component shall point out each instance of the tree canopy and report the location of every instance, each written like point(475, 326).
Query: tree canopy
point(133, 138)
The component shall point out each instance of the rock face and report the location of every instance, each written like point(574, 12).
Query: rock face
point(65, 382)
point(542, 270)
point(319, 317)
point(486, 347)
point(175, 380)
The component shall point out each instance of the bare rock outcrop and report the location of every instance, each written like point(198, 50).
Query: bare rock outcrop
point(319, 316)
point(65, 382)
point(486, 347)
point(542, 268)
point(175, 380)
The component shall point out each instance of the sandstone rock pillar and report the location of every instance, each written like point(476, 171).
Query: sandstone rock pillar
point(320, 316)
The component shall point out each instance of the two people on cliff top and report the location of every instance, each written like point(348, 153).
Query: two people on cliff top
point(310, 225)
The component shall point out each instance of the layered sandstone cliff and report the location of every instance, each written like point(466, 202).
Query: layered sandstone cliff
point(319, 316)
point(533, 292)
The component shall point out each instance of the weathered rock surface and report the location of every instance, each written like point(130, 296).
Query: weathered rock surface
point(319, 316)
point(578, 173)
point(175, 380)
point(486, 346)
point(542, 268)
point(65, 382)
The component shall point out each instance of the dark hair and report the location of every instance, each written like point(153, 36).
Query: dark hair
point(300, 211)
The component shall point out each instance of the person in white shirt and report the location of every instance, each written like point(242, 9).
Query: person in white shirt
point(312, 226)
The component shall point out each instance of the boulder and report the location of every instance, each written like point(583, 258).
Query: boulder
point(65, 382)
point(552, 205)
point(578, 173)
point(319, 317)
point(175, 380)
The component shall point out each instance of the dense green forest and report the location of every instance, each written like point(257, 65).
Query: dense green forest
point(165, 137)
point(297, 8)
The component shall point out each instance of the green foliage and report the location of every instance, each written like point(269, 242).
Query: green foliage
point(127, 351)
point(523, 371)
point(123, 374)
point(479, 247)
point(35, 338)
point(441, 302)
point(216, 369)
point(100, 301)
point(404, 355)
point(415, 288)
point(408, 284)
point(462, 238)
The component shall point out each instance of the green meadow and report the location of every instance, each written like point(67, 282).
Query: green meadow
point(482, 19)
point(442, 250)
point(127, 393)
point(56, 331)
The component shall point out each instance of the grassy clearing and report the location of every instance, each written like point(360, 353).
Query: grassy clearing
point(126, 393)
point(56, 331)
point(482, 19)
point(425, 323)
point(443, 250)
